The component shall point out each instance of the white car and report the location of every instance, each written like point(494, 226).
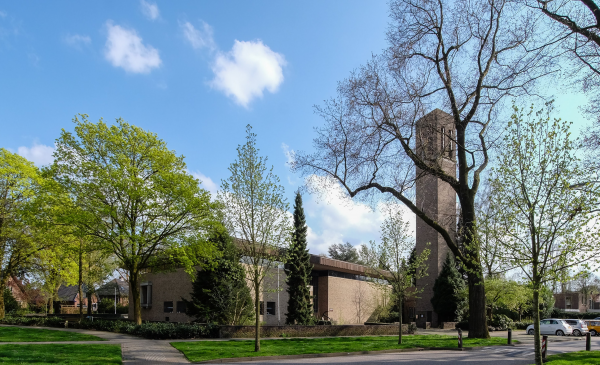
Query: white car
point(552, 326)
point(580, 327)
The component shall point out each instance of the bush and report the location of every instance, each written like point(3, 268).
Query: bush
point(521, 325)
point(390, 317)
point(10, 303)
point(501, 322)
point(156, 331)
point(557, 313)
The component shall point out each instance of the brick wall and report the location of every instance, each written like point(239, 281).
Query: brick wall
point(311, 331)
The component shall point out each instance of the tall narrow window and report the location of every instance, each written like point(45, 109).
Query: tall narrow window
point(146, 295)
point(168, 307)
point(443, 140)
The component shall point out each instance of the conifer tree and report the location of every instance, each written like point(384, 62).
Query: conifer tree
point(299, 270)
point(446, 291)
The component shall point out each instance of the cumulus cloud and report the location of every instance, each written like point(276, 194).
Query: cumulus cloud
point(77, 40)
point(246, 71)
point(198, 38)
point(124, 48)
point(207, 183)
point(333, 217)
point(39, 154)
point(150, 10)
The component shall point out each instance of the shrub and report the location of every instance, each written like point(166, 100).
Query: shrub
point(10, 303)
point(156, 331)
point(502, 322)
point(521, 325)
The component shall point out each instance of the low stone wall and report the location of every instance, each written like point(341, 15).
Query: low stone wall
point(312, 331)
point(448, 325)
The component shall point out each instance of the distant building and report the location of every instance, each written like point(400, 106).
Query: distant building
point(115, 288)
point(342, 294)
point(16, 288)
point(69, 301)
point(571, 301)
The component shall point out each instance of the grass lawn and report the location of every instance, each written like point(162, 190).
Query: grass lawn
point(572, 358)
point(60, 354)
point(210, 350)
point(16, 334)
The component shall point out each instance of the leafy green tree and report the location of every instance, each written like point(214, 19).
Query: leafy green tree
point(344, 252)
point(447, 299)
point(256, 214)
point(508, 294)
point(23, 215)
point(134, 197)
point(390, 262)
point(220, 292)
point(547, 216)
point(10, 303)
point(299, 270)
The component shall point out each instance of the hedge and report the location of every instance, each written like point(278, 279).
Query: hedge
point(155, 331)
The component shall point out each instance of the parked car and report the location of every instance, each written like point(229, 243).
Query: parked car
point(552, 326)
point(594, 327)
point(580, 327)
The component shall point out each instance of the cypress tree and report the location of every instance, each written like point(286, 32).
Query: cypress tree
point(446, 291)
point(298, 271)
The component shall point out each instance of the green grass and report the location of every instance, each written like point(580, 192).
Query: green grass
point(572, 358)
point(61, 354)
point(210, 350)
point(16, 334)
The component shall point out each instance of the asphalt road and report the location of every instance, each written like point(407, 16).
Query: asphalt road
point(521, 354)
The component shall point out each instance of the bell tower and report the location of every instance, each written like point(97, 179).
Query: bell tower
point(435, 136)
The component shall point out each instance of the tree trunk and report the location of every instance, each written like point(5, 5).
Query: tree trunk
point(400, 321)
point(478, 327)
point(88, 295)
point(50, 305)
point(536, 324)
point(3, 283)
point(257, 322)
point(134, 284)
point(80, 282)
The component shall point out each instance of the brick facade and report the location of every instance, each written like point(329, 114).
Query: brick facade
point(434, 142)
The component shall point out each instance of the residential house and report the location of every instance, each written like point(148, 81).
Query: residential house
point(69, 301)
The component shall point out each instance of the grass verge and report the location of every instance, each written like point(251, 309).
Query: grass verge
point(572, 358)
point(15, 334)
point(61, 354)
point(211, 350)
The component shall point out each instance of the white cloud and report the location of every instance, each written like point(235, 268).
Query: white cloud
point(207, 183)
point(198, 38)
point(77, 40)
point(150, 10)
point(247, 70)
point(333, 217)
point(289, 154)
point(39, 154)
point(124, 48)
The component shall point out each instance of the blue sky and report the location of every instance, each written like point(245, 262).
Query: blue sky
point(196, 73)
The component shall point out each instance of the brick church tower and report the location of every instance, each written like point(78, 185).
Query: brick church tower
point(435, 137)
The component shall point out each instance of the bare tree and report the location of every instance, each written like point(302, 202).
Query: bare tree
point(462, 56)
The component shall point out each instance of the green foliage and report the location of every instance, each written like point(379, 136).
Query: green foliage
point(344, 252)
point(391, 264)
point(501, 322)
point(448, 300)
point(10, 303)
point(134, 196)
point(220, 293)
point(300, 310)
point(156, 331)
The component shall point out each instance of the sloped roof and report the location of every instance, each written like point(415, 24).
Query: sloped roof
point(69, 293)
point(109, 288)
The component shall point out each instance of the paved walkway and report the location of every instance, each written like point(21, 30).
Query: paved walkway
point(135, 350)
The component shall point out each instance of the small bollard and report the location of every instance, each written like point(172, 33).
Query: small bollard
point(510, 336)
point(460, 339)
point(544, 347)
point(588, 341)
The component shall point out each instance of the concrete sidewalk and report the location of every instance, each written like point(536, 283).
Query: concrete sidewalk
point(135, 350)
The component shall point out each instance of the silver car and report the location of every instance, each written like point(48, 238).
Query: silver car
point(552, 326)
point(580, 328)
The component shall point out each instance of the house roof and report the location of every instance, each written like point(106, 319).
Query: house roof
point(69, 293)
point(109, 288)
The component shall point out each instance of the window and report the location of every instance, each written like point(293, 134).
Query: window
point(181, 307)
point(146, 295)
point(261, 309)
point(271, 308)
point(168, 307)
point(411, 313)
point(568, 302)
